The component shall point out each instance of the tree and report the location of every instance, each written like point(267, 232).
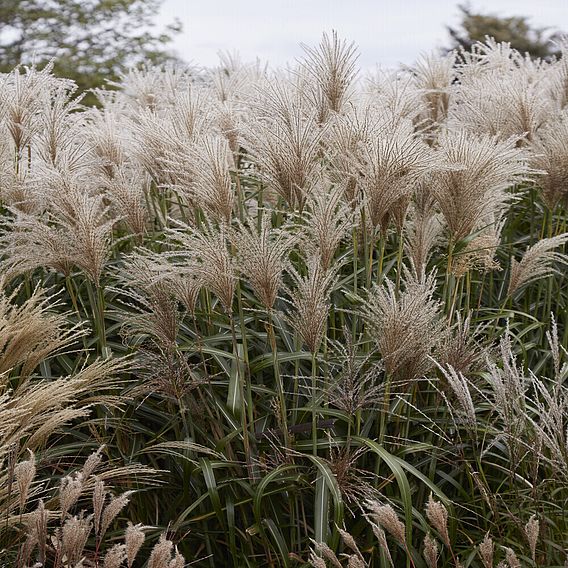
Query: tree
point(91, 41)
point(514, 29)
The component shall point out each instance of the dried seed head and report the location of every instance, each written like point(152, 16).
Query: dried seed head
point(537, 262)
point(355, 562)
point(460, 389)
point(112, 510)
point(437, 514)
point(99, 496)
point(434, 75)
point(285, 142)
point(127, 193)
point(381, 537)
point(310, 299)
point(550, 156)
point(478, 254)
point(472, 187)
point(323, 549)
point(486, 551)
point(178, 561)
point(74, 535)
point(431, 551)
point(203, 176)
point(262, 256)
point(512, 559)
point(532, 529)
point(357, 382)
point(115, 556)
point(92, 462)
point(206, 257)
point(423, 230)
point(161, 553)
point(328, 220)
point(406, 326)
point(36, 532)
point(316, 561)
point(70, 490)
point(387, 518)
point(24, 473)
point(331, 67)
point(134, 539)
point(463, 349)
point(349, 541)
point(393, 161)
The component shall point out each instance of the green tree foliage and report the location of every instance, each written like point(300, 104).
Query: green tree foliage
point(91, 41)
point(516, 30)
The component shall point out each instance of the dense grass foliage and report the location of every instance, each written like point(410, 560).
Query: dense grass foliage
point(256, 318)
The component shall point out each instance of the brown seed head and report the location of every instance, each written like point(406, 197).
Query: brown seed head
point(431, 551)
point(437, 514)
point(134, 539)
point(486, 551)
point(387, 518)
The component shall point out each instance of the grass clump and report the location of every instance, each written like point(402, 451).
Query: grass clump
point(257, 318)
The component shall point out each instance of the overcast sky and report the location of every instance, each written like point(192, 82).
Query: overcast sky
point(387, 31)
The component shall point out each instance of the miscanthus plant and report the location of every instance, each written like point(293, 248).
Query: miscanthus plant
point(301, 318)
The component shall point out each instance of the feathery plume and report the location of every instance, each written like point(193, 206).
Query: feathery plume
point(422, 232)
point(437, 514)
point(323, 549)
point(23, 96)
point(486, 551)
point(478, 254)
point(127, 192)
point(74, 535)
point(349, 541)
point(134, 539)
point(503, 105)
point(316, 561)
point(532, 529)
point(431, 551)
point(310, 302)
point(381, 537)
point(285, 143)
point(537, 263)
point(70, 490)
point(262, 254)
point(357, 381)
point(202, 176)
point(331, 68)
point(355, 562)
point(92, 463)
point(511, 558)
point(434, 75)
point(460, 389)
point(178, 561)
point(99, 498)
point(328, 221)
point(115, 556)
point(161, 553)
point(550, 158)
point(203, 252)
point(112, 510)
point(406, 327)
point(472, 186)
point(463, 349)
point(24, 474)
point(386, 517)
point(392, 161)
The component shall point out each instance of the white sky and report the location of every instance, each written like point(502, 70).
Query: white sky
point(386, 31)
